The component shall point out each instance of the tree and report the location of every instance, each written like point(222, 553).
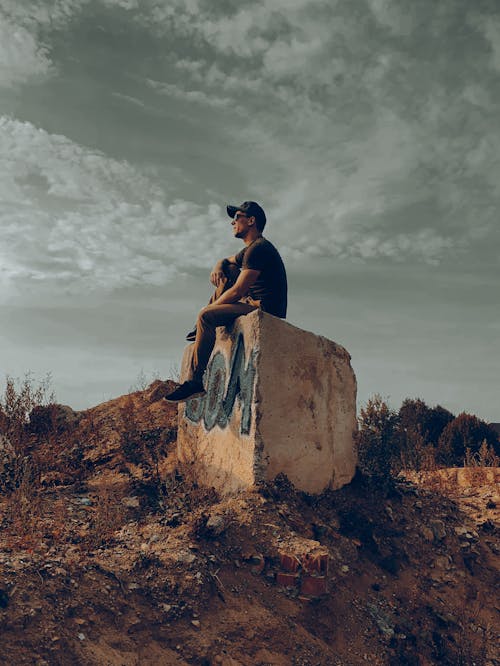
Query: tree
point(378, 441)
point(429, 422)
point(465, 432)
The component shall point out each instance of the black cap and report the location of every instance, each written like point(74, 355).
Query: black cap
point(250, 208)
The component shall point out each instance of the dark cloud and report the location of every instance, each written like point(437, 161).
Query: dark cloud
point(369, 130)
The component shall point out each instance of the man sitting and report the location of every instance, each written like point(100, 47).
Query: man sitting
point(253, 278)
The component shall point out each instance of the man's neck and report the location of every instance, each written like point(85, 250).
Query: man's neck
point(251, 237)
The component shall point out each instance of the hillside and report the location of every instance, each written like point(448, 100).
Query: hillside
point(114, 557)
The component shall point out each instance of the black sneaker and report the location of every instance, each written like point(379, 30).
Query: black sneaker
point(186, 391)
point(191, 336)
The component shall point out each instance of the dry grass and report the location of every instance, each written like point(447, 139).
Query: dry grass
point(108, 516)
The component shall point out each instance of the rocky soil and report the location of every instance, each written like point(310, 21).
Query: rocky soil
point(113, 556)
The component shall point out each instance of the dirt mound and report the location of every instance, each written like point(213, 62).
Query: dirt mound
point(130, 562)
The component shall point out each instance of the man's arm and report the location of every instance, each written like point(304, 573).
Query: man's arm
point(240, 288)
point(217, 273)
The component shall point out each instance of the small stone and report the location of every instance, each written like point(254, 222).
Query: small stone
point(216, 525)
point(381, 620)
point(196, 624)
point(438, 529)
point(185, 557)
point(84, 501)
point(258, 563)
point(427, 533)
point(81, 637)
point(344, 568)
point(442, 562)
point(446, 619)
point(60, 571)
point(131, 502)
point(166, 608)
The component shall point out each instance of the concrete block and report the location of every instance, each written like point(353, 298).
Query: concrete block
point(279, 400)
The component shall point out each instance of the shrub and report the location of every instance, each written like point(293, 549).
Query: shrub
point(17, 403)
point(414, 415)
point(378, 441)
point(465, 432)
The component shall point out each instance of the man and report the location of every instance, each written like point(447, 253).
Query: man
point(254, 278)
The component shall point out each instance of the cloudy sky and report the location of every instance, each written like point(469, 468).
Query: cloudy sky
point(368, 129)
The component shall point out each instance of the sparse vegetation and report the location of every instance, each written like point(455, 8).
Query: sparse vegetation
point(20, 468)
point(421, 438)
point(147, 447)
point(145, 555)
point(108, 516)
point(378, 441)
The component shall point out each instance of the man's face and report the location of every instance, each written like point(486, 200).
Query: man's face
point(241, 223)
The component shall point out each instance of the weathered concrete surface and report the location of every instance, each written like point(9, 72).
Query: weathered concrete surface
point(279, 399)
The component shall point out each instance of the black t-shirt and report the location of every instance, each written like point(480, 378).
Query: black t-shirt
point(270, 288)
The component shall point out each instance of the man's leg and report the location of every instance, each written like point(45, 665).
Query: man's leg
point(231, 272)
point(208, 320)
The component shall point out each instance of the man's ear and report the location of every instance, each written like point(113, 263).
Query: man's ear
point(251, 219)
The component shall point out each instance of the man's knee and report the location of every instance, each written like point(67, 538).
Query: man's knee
point(205, 316)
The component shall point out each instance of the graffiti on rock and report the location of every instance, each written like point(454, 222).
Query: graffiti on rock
point(216, 406)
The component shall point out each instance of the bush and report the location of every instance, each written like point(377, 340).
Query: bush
point(419, 437)
point(378, 441)
point(16, 404)
point(415, 416)
point(465, 432)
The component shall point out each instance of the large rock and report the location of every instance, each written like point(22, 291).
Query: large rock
point(279, 400)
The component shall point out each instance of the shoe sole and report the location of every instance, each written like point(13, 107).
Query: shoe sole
point(189, 397)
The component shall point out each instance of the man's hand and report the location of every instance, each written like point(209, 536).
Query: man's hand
point(217, 276)
point(240, 288)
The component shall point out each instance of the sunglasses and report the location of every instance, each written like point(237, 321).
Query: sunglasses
point(238, 215)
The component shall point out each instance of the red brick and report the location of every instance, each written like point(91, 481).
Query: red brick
point(286, 579)
point(316, 564)
point(314, 586)
point(289, 563)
